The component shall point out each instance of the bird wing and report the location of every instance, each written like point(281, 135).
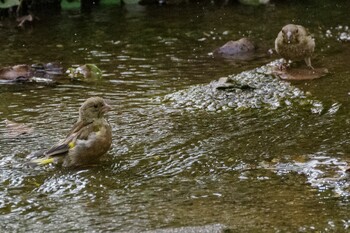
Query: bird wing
point(78, 126)
point(80, 131)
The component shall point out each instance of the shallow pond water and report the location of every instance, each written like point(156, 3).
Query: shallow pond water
point(255, 170)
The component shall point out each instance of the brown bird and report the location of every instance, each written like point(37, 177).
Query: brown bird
point(294, 43)
point(88, 140)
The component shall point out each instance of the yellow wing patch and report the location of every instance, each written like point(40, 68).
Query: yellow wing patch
point(43, 161)
point(96, 128)
point(71, 145)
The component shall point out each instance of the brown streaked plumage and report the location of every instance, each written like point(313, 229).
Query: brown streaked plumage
point(294, 43)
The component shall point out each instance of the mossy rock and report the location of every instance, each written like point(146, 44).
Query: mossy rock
point(87, 71)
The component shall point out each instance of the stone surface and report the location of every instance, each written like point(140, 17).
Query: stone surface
point(17, 73)
point(257, 88)
point(242, 49)
point(300, 73)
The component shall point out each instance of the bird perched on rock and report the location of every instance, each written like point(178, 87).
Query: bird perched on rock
point(294, 43)
point(88, 140)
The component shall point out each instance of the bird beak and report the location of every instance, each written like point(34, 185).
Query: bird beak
point(106, 108)
point(289, 36)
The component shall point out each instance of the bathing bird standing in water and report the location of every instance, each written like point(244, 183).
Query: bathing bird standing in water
point(88, 140)
point(294, 43)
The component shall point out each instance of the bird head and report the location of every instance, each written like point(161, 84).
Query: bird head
point(291, 33)
point(93, 108)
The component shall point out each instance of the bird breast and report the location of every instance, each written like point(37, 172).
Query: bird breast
point(296, 51)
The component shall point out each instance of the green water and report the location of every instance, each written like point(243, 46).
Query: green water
point(254, 171)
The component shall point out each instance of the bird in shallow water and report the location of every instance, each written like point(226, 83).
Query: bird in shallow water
point(88, 140)
point(294, 43)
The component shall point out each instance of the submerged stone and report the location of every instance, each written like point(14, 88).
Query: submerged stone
point(257, 88)
point(51, 68)
point(36, 73)
point(322, 171)
point(14, 129)
point(17, 73)
point(213, 228)
point(242, 49)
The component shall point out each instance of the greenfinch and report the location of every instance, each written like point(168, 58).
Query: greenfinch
point(294, 43)
point(88, 140)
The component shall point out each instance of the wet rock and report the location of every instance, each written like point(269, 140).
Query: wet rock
point(47, 72)
point(87, 71)
point(232, 85)
point(17, 73)
point(51, 68)
point(34, 73)
point(321, 171)
point(242, 49)
point(257, 88)
point(215, 228)
point(299, 73)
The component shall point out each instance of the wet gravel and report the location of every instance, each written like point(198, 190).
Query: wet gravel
point(252, 89)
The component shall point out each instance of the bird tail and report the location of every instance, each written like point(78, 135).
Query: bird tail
point(42, 161)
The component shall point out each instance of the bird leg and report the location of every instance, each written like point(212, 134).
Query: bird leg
point(308, 63)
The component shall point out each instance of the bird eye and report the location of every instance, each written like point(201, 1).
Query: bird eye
point(95, 106)
point(297, 31)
